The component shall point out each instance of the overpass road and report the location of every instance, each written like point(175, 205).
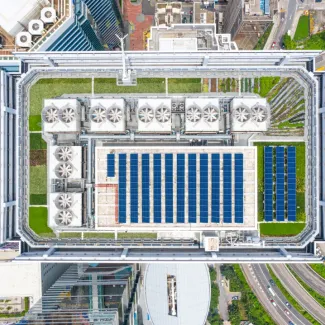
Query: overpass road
point(310, 277)
point(299, 293)
point(260, 282)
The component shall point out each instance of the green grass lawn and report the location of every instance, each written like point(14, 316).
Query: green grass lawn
point(144, 85)
point(281, 229)
point(36, 141)
point(37, 199)
point(302, 30)
point(184, 85)
point(266, 84)
point(37, 179)
point(135, 235)
point(319, 268)
point(287, 124)
point(38, 221)
point(300, 158)
point(35, 122)
point(107, 235)
point(70, 235)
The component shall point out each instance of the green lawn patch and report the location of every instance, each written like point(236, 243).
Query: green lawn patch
point(302, 30)
point(281, 229)
point(37, 199)
point(214, 317)
point(135, 235)
point(107, 235)
point(70, 235)
point(35, 123)
point(37, 180)
point(263, 39)
point(36, 141)
point(38, 221)
point(319, 268)
point(291, 300)
point(266, 84)
point(50, 88)
point(144, 85)
point(287, 124)
point(184, 85)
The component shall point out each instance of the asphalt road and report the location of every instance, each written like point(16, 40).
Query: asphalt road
point(310, 277)
point(299, 293)
point(261, 276)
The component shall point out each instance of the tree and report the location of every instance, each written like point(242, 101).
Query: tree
point(288, 42)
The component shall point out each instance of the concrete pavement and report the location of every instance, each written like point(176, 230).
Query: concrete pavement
point(298, 292)
point(223, 303)
point(310, 277)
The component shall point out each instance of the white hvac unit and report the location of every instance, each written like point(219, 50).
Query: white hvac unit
point(154, 115)
point(64, 218)
point(107, 115)
point(202, 115)
point(249, 115)
point(36, 27)
point(24, 39)
point(48, 15)
point(64, 201)
point(61, 115)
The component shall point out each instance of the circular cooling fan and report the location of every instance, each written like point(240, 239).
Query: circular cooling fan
point(64, 218)
point(163, 114)
point(242, 114)
point(63, 153)
point(63, 170)
point(68, 114)
point(210, 114)
point(193, 114)
point(258, 113)
point(98, 114)
point(51, 114)
point(145, 114)
point(114, 114)
point(63, 201)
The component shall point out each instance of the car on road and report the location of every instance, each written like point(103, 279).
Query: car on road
point(272, 282)
point(288, 305)
point(286, 311)
point(234, 297)
point(273, 44)
point(273, 302)
point(291, 323)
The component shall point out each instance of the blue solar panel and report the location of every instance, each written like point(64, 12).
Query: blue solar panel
point(239, 188)
point(268, 183)
point(122, 188)
point(291, 169)
point(157, 188)
point(280, 183)
point(110, 165)
point(227, 188)
point(145, 188)
point(134, 195)
point(204, 199)
point(192, 187)
point(180, 187)
point(169, 187)
point(215, 187)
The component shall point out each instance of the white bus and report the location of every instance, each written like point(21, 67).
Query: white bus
point(271, 291)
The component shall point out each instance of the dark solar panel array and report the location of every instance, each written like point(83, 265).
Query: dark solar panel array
point(122, 188)
point(110, 165)
point(215, 187)
point(180, 187)
point(192, 187)
point(227, 188)
point(157, 187)
point(134, 195)
point(204, 199)
point(268, 183)
point(291, 184)
point(279, 183)
point(239, 188)
point(169, 194)
point(145, 188)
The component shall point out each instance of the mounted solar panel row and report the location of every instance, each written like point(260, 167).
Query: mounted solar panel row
point(192, 188)
point(239, 188)
point(227, 188)
point(180, 188)
point(215, 187)
point(268, 183)
point(145, 188)
point(134, 195)
point(122, 188)
point(279, 184)
point(169, 188)
point(291, 183)
point(157, 187)
point(204, 200)
point(110, 165)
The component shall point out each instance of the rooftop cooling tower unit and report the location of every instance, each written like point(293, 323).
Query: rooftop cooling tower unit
point(48, 15)
point(24, 39)
point(67, 114)
point(63, 201)
point(114, 114)
point(98, 114)
point(36, 27)
point(145, 114)
point(210, 114)
point(242, 114)
point(163, 114)
point(63, 170)
point(50, 114)
point(63, 153)
point(258, 113)
point(64, 218)
point(193, 114)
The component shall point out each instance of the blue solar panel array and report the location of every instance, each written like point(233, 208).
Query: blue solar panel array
point(215, 187)
point(169, 188)
point(227, 188)
point(122, 188)
point(239, 188)
point(279, 184)
point(180, 187)
point(291, 183)
point(192, 187)
point(157, 187)
point(204, 198)
point(268, 183)
point(145, 188)
point(134, 195)
point(110, 165)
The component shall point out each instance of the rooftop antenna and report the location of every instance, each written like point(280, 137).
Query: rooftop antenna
point(126, 74)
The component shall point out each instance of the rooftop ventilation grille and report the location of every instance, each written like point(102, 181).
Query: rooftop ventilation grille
point(48, 15)
point(51, 114)
point(193, 114)
point(63, 153)
point(36, 27)
point(210, 114)
point(114, 114)
point(63, 170)
point(67, 114)
point(258, 113)
point(146, 114)
point(64, 218)
point(163, 114)
point(98, 114)
point(242, 114)
point(63, 201)
point(24, 39)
